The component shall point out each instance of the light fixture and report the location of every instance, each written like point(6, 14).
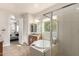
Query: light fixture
point(12, 17)
point(36, 21)
point(46, 19)
point(55, 17)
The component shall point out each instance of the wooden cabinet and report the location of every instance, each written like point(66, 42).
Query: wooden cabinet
point(1, 48)
point(33, 38)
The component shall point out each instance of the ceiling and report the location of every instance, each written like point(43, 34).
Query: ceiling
point(25, 7)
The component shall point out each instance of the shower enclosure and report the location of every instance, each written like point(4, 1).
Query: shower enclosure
point(47, 27)
point(58, 27)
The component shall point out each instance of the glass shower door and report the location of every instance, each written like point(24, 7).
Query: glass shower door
point(45, 24)
point(50, 32)
point(41, 47)
point(47, 29)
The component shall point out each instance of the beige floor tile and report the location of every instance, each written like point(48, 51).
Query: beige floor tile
point(16, 49)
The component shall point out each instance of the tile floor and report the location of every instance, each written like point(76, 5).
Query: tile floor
point(16, 49)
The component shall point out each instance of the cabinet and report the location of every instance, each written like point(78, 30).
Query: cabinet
point(1, 48)
point(33, 38)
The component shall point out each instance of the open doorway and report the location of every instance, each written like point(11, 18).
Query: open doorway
point(14, 30)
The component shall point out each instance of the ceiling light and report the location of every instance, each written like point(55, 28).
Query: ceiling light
point(47, 19)
point(55, 17)
point(36, 21)
point(12, 17)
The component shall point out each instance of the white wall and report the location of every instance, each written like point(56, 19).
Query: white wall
point(4, 24)
point(20, 23)
point(24, 27)
point(68, 19)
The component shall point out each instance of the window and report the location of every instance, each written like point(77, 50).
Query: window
point(33, 27)
point(54, 28)
point(47, 26)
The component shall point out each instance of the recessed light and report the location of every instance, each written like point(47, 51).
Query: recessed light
point(55, 17)
point(46, 19)
point(36, 21)
point(12, 17)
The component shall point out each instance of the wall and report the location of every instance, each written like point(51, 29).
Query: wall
point(24, 27)
point(52, 8)
point(4, 24)
point(27, 20)
point(68, 19)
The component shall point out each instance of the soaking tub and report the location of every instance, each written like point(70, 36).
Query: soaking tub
point(40, 48)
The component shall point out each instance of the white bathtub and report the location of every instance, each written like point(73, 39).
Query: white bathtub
point(40, 48)
point(41, 44)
